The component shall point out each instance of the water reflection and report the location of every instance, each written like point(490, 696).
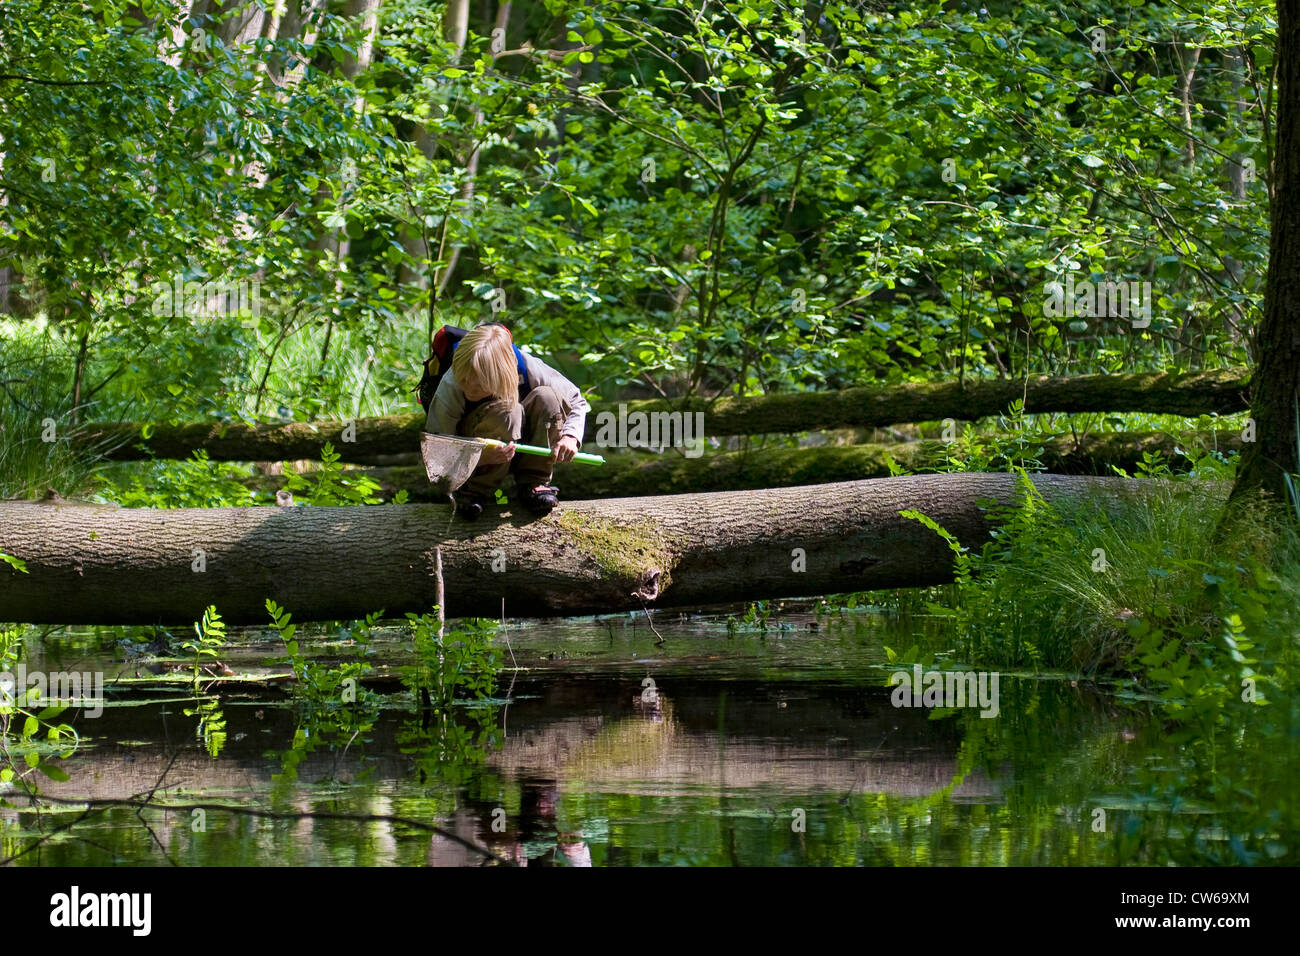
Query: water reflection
point(601, 748)
point(591, 772)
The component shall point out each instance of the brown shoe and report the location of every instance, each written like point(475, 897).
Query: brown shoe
point(469, 508)
point(542, 499)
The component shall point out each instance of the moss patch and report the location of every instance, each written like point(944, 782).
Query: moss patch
point(631, 551)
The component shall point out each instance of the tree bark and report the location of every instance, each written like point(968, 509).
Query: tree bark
point(671, 474)
point(1200, 393)
point(1275, 404)
point(93, 564)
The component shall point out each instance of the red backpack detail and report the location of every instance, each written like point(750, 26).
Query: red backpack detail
point(445, 341)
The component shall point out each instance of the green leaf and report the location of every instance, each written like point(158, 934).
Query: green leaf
point(54, 773)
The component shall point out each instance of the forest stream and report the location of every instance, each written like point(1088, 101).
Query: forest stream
point(767, 739)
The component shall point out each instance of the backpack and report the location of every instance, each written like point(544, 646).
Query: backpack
point(445, 341)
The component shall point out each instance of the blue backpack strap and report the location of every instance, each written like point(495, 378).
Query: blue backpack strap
point(527, 386)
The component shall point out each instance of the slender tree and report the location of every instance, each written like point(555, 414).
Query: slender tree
point(1275, 399)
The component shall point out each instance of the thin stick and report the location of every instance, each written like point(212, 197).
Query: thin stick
point(651, 621)
point(426, 702)
point(437, 570)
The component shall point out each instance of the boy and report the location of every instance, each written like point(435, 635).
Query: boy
point(483, 395)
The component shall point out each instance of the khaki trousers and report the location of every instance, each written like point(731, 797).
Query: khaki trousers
point(534, 421)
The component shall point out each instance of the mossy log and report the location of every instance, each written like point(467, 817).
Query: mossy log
point(1216, 392)
point(94, 564)
point(781, 467)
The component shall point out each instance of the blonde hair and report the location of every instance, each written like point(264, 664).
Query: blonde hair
point(486, 355)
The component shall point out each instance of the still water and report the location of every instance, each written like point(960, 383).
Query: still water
point(587, 743)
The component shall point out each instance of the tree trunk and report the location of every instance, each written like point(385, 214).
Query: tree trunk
point(455, 28)
point(299, 21)
point(79, 371)
point(1186, 74)
point(672, 474)
point(1275, 399)
point(93, 564)
point(1199, 393)
point(335, 243)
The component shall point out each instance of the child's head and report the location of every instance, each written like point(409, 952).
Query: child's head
point(484, 364)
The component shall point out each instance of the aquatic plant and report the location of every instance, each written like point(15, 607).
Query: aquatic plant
point(30, 738)
point(209, 636)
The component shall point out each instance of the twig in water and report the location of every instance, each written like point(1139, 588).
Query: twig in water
point(651, 621)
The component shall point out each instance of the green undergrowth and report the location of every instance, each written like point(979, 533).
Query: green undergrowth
point(37, 422)
point(1071, 585)
point(200, 483)
point(1191, 619)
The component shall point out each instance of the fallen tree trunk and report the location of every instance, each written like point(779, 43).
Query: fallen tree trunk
point(105, 565)
point(1200, 393)
point(776, 467)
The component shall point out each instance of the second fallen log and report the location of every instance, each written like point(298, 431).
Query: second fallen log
point(778, 467)
point(1193, 393)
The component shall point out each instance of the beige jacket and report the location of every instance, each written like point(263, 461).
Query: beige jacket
point(448, 405)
